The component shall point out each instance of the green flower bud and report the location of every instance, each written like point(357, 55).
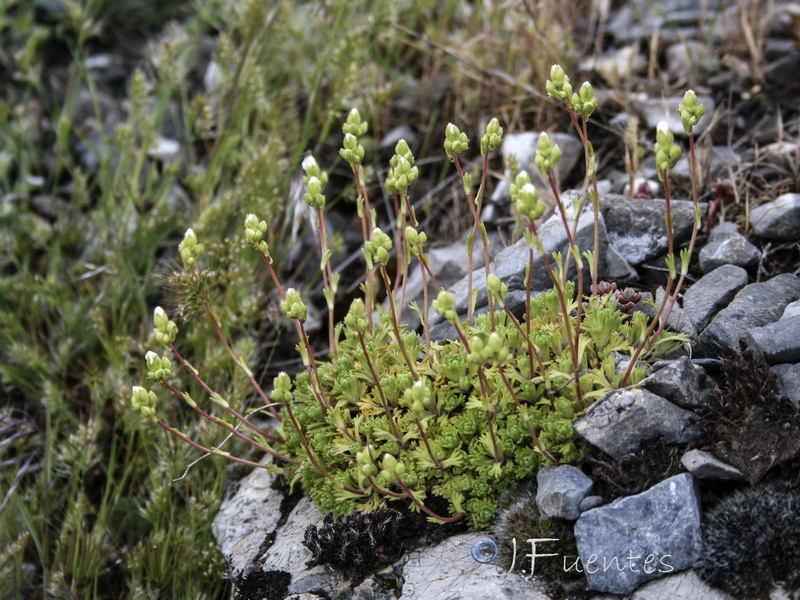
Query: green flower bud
point(526, 197)
point(253, 230)
point(402, 149)
point(392, 469)
point(496, 288)
point(492, 138)
point(547, 154)
point(691, 112)
point(293, 306)
point(667, 152)
point(415, 240)
point(377, 249)
point(352, 152)
point(584, 102)
point(401, 174)
point(165, 330)
point(158, 368)
point(311, 169)
point(282, 388)
point(356, 318)
point(420, 393)
point(445, 305)
point(313, 197)
point(496, 348)
point(455, 141)
point(354, 125)
point(144, 402)
point(189, 249)
point(558, 85)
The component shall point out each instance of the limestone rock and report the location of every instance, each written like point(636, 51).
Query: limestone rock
point(704, 465)
point(778, 220)
point(560, 491)
point(641, 537)
point(622, 420)
point(756, 305)
point(712, 292)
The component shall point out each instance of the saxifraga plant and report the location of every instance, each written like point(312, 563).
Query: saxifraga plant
point(390, 420)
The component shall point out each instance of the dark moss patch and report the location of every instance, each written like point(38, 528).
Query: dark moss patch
point(751, 541)
point(358, 544)
point(269, 585)
point(634, 473)
point(519, 520)
point(749, 425)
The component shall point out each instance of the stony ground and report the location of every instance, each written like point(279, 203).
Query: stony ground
point(58, 169)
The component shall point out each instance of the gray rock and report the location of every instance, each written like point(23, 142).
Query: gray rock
point(792, 310)
point(616, 64)
point(683, 58)
point(618, 269)
point(560, 491)
point(680, 586)
point(401, 132)
point(779, 341)
point(778, 220)
point(447, 571)
point(704, 465)
point(449, 265)
point(758, 304)
point(636, 228)
point(712, 292)
point(655, 110)
point(675, 20)
point(714, 161)
point(510, 264)
point(245, 520)
point(288, 555)
point(681, 382)
point(642, 537)
point(788, 381)
point(622, 420)
point(677, 319)
point(590, 502)
point(723, 231)
point(733, 250)
point(519, 149)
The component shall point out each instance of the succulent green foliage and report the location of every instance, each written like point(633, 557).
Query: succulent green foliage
point(445, 443)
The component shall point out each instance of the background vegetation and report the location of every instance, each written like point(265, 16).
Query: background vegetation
point(122, 123)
